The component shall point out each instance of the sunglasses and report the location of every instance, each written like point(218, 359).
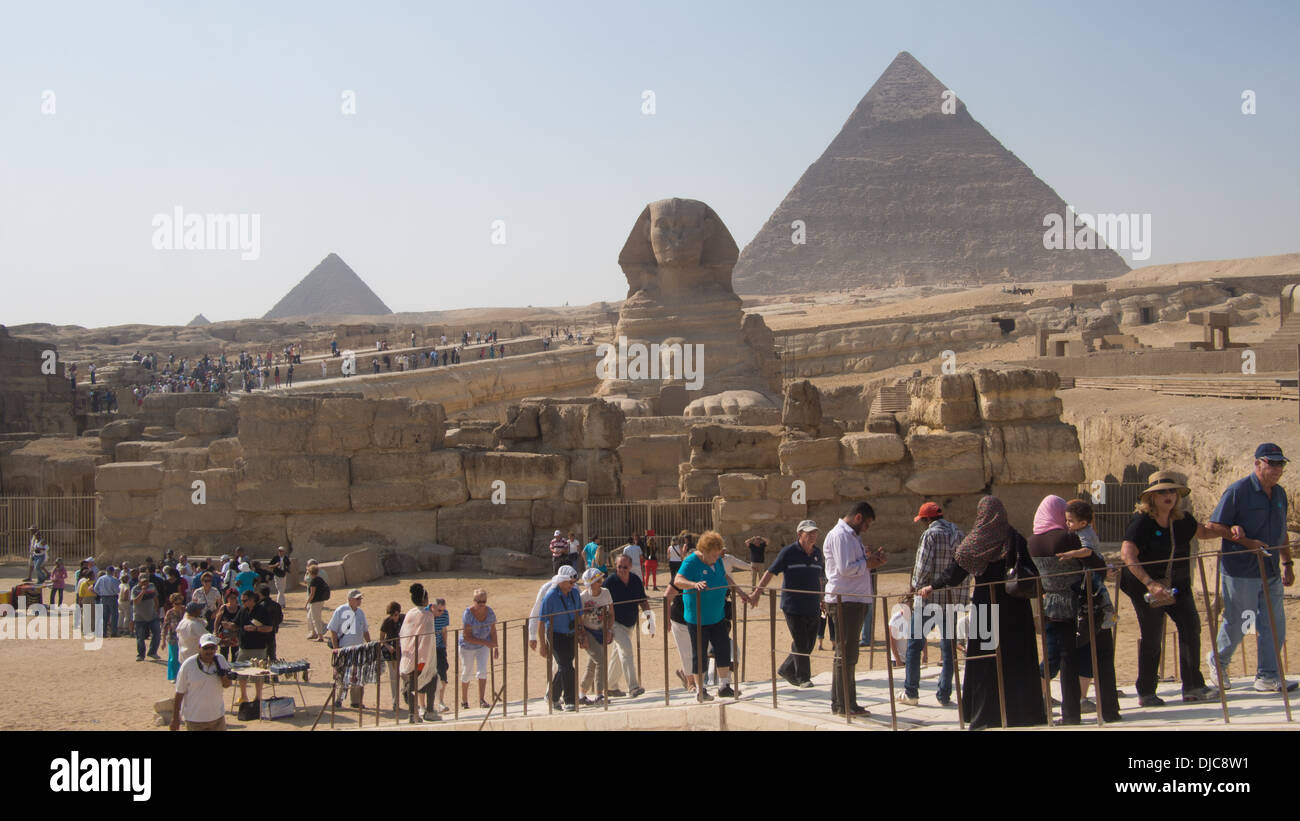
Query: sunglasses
point(1275, 463)
point(480, 601)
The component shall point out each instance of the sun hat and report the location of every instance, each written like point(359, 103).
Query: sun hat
point(591, 575)
point(1166, 480)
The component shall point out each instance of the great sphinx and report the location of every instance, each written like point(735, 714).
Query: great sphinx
point(678, 260)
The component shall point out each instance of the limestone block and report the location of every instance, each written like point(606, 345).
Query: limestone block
point(946, 462)
point(602, 426)
point(218, 489)
point(396, 563)
point(719, 447)
point(857, 449)
point(284, 483)
point(698, 484)
point(741, 486)
point(405, 480)
point(120, 431)
point(201, 421)
point(478, 524)
point(802, 407)
point(799, 455)
point(330, 535)
point(575, 491)
point(505, 562)
point(819, 485)
point(640, 487)
point(600, 469)
point(342, 426)
point(754, 510)
point(1026, 454)
point(521, 423)
point(224, 453)
point(403, 424)
point(113, 533)
point(139, 451)
point(120, 504)
point(129, 476)
point(654, 453)
point(190, 459)
point(526, 475)
point(334, 576)
point(436, 557)
point(1023, 393)
point(944, 402)
point(361, 566)
point(550, 514)
point(276, 424)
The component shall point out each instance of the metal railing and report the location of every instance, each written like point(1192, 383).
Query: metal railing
point(613, 521)
point(66, 522)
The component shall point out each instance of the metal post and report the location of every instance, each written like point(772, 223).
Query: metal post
point(699, 652)
point(883, 602)
point(602, 675)
point(505, 666)
point(667, 628)
point(414, 683)
point(1045, 677)
point(550, 661)
point(1214, 645)
point(1092, 640)
point(732, 666)
point(956, 674)
point(1272, 623)
point(523, 634)
point(456, 680)
point(771, 645)
point(997, 658)
point(744, 654)
point(492, 672)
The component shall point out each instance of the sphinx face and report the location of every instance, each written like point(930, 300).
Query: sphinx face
point(678, 229)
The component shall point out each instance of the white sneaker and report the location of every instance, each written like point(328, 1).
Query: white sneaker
point(910, 701)
point(1272, 685)
point(1214, 673)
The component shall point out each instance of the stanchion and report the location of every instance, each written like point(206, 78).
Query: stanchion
point(1092, 641)
point(997, 658)
point(505, 667)
point(414, 683)
point(771, 645)
point(379, 680)
point(492, 670)
point(1272, 623)
point(456, 679)
point(956, 675)
point(734, 672)
point(1046, 673)
point(667, 628)
point(744, 649)
point(698, 651)
point(550, 661)
point(523, 634)
point(1214, 644)
point(883, 601)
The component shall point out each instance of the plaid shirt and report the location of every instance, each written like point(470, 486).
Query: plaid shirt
point(933, 555)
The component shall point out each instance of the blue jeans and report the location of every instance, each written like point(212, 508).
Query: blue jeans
point(152, 629)
point(912, 675)
point(868, 625)
point(1243, 594)
point(38, 568)
point(109, 604)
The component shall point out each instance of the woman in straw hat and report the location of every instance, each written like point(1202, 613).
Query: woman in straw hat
point(1157, 577)
point(993, 546)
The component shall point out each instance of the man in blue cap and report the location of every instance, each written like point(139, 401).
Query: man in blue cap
point(1251, 518)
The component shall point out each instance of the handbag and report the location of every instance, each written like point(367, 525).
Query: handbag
point(1167, 580)
point(1098, 604)
point(1022, 578)
point(277, 707)
point(250, 710)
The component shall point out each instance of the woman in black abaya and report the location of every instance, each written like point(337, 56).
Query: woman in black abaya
point(986, 554)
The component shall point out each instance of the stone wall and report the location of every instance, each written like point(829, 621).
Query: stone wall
point(970, 434)
point(31, 401)
point(329, 476)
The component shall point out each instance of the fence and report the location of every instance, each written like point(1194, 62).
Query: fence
point(1112, 507)
point(992, 666)
point(611, 522)
point(66, 522)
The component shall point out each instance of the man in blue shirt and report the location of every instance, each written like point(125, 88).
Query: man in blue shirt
point(107, 588)
point(1251, 518)
point(804, 571)
point(559, 613)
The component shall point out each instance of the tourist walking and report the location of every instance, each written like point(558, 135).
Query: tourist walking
point(225, 628)
point(628, 596)
point(417, 646)
point(390, 630)
point(934, 552)
point(199, 682)
point(107, 589)
point(704, 583)
point(144, 612)
point(478, 646)
point(1157, 578)
point(803, 583)
point(986, 552)
point(557, 621)
point(318, 592)
point(175, 612)
point(597, 633)
point(280, 567)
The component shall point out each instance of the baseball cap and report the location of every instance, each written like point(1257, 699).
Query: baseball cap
point(354, 594)
point(208, 640)
point(1268, 450)
point(557, 533)
point(928, 511)
point(806, 525)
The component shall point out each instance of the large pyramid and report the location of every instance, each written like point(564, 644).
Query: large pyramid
point(332, 288)
point(906, 192)
point(198, 322)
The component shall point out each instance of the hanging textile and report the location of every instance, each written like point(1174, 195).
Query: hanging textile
point(357, 665)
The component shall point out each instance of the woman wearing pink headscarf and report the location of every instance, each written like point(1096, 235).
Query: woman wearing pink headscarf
point(1061, 558)
point(987, 551)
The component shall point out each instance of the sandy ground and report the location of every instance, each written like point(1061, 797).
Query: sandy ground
point(59, 685)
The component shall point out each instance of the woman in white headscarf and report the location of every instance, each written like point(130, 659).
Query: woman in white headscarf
point(418, 642)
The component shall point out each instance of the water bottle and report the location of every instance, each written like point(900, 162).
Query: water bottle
point(1146, 597)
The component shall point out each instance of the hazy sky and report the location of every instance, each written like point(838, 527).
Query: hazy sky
point(531, 113)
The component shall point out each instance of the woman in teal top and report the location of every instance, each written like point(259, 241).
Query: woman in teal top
point(704, 578)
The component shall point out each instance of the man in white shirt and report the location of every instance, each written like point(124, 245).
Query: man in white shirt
point(633, 552)
point(190, 632)
point(199, 682)
point(347, 628)
point(848, 590)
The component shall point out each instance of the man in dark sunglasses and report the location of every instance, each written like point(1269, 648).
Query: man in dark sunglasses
point(1251, 517)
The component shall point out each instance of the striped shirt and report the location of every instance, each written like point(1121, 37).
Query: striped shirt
point(936, 551)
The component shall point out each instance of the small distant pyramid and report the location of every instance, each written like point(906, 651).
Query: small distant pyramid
point(913, 189)
point(332, 288)
point(198, 322)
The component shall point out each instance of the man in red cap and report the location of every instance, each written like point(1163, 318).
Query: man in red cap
point(933, 554)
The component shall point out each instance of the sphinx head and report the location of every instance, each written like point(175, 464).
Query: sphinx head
point(685, 236)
